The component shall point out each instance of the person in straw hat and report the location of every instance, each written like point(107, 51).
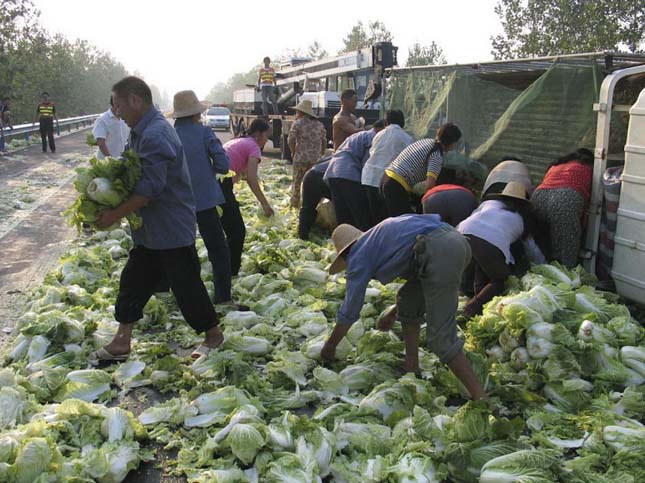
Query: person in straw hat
point(431, 255)
point(164, 246)
point(492, 228)
point(307, 141)
point(344, 177)
point(206, 158)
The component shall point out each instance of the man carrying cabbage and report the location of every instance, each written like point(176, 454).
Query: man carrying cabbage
point(431, 256)
point(164, 246)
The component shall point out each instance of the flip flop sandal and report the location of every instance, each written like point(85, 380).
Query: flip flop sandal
point(102, 355)
point(235, 306)
point(202, 350)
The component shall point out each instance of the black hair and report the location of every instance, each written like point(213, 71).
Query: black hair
point(395, 116)
point(522, 208)
point(510, 158)
point(45, 93)
point(582, 155)
point(111, 102)
point(6, 98)
point(448, 134)
point(380, 124)
point(266, 58)
point(133, 85)
point(348, 94)
point(494, 189)
point(258, 125)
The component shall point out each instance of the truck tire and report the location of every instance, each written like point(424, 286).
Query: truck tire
point(238, 129)
point(285, 151)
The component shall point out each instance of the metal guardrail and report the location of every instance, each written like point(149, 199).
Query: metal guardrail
point(68, 124)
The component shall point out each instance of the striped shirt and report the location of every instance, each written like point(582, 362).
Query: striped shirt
point(419, 160)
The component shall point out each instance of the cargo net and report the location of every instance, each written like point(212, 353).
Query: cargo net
point(536, 116)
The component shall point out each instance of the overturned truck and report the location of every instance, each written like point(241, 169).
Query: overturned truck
point(537, 110)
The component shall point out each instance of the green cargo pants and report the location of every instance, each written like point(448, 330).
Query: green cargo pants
point(440, 257)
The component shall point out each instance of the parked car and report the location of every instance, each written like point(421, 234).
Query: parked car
point(217, 117)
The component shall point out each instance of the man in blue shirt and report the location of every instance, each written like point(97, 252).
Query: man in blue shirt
point(431, 256)
point(164, 246)
point(344, 178)
point(206, 157)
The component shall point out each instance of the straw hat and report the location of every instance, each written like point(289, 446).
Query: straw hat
point(343, 237)
point(186, 104)
point(307, 107)
point(514, 189)
point(507, 171)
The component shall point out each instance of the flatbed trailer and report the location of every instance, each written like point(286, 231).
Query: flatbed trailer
point(281, 125)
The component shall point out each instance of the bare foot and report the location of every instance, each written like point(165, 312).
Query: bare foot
point(386, 322)
point(412, 368)
point(328, 353)
point(235, 306)
point(120, 343)
point(213, 338)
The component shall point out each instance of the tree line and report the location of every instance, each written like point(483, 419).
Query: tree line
point(530, 28)
point(77, 75)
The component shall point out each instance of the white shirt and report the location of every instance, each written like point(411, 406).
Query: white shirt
point(386, 146)
point(115, 132)
point(495, 224)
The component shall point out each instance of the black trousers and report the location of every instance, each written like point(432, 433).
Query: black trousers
point(350, 203)
point(490, 273)
point(378, 210)
point(233, 225)
point(212, 232)
point(397, 199)
point(47, 133)
point(146, 269)
point(314, 189)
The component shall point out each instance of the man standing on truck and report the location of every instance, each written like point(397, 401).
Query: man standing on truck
point(267, 86)
point(46, 114)
point(345, 122)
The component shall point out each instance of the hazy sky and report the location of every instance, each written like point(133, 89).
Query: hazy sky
point(192, 44)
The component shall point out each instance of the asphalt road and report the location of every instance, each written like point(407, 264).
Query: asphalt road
point(34, 189)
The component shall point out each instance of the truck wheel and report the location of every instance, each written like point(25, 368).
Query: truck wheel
point(239, 129)
point(285, 151)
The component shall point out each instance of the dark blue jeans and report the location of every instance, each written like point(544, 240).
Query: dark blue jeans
point(212, 232)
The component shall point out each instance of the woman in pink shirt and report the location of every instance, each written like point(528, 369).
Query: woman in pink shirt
point(245, 154)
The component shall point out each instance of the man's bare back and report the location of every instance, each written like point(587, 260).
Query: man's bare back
point(344, 125)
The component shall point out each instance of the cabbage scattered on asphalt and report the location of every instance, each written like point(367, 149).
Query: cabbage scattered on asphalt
point(562, 362)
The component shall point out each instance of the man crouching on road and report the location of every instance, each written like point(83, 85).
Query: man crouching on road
point(164, 246)
point(431, 256)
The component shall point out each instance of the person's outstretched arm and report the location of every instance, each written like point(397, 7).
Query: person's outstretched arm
point(254, 183)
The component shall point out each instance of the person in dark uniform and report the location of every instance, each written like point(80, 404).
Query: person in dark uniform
point(46, 114)
point(314, 189)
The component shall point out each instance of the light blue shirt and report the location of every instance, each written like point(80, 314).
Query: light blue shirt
point(169, 218)
point(383, 253)
point(347, 162)
point(205, 157)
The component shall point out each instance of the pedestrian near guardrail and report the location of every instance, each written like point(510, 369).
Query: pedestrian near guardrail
point(46, 114)
point(5, 120)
